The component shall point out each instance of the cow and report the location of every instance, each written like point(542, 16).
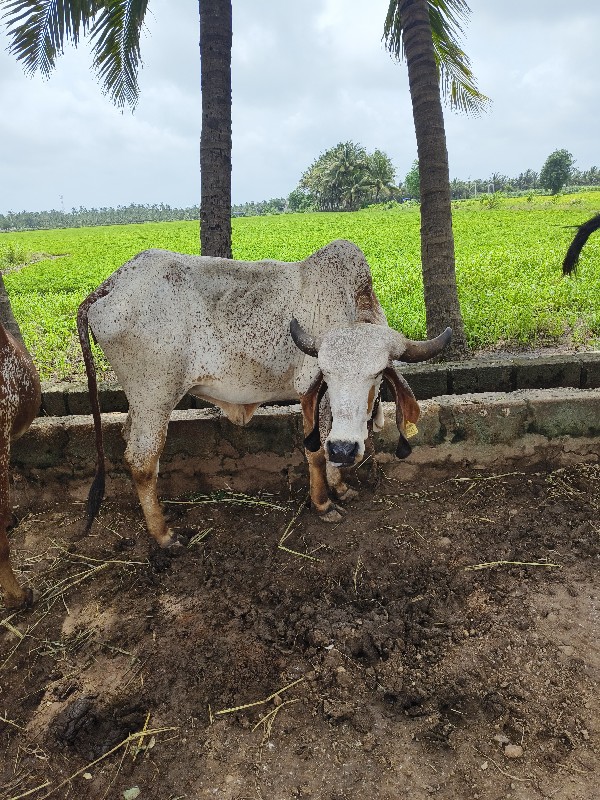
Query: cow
point(20, 399)
point(584, 232)
point(239, 334)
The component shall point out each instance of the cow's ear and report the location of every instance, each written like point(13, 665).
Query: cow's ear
point(406, 404)
point(310, 410)
point(403, 450)
point(407, 408)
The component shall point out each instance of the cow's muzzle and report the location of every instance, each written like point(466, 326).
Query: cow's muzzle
point(342, 454)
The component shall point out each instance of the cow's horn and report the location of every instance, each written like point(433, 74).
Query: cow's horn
point(410, 351)
point(303, 340)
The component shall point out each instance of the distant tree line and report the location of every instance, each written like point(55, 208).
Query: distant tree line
point(344, 178)
point(87, 217)
point(557, 174)
point(277, 205)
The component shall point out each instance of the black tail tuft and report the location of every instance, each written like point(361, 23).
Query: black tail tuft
point(95, 498)
point(583, 234)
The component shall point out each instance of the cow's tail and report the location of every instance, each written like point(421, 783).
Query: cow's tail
point(96, 493)
point(583, 234)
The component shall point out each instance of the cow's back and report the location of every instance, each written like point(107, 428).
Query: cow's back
point(198, 315)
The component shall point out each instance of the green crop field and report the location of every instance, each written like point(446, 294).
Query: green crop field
point(508, 261)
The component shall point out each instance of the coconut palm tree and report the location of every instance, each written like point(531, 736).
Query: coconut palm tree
point(425, 32)
point(381, 175)
point(39, 29)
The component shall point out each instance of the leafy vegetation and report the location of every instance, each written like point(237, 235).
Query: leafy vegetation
point(456, 78)
point(508, 259)
point(346, 178)
point(556, 171)
point(412, 182)
point(11, 254)
point(85, 217)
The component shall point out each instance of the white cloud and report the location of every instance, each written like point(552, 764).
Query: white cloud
point(306, 75)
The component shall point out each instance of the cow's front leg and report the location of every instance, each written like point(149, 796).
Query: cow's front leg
point(319, 496)
point(146, 436)
point(14, 595)
point(339, 487)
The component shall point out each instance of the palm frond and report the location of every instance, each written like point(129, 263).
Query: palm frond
point(116, 37)
point(38, 29)
point(457, 82)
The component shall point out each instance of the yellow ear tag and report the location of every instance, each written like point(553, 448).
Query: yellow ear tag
point(410, 430)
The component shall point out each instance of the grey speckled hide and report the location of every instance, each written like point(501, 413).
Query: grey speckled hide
point(220, 329)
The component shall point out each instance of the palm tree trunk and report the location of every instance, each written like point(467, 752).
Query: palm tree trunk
point(437, 242)
point(215, 140)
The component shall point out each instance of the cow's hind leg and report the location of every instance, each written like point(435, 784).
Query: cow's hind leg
point(146, 432)
point(14, 595)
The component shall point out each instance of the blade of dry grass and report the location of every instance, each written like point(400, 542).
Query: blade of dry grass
point(30, 792)
point(258, 702)
point(225, 497)
point(491, 564)
point(288, 532)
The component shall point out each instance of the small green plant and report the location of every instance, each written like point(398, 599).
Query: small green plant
point(11, 254)
point(491, 201)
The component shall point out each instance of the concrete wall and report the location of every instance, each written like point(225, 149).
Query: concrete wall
point(578, 371)
point(204, 451)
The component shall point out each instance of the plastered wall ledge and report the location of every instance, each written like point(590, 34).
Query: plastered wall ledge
point(485, 374)
point(204, 451)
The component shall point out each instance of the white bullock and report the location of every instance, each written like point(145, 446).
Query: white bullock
point(239, 334)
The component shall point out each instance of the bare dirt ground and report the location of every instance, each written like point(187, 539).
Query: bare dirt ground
point(441, 641)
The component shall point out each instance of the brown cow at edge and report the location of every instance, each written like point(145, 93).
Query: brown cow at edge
point(20, 398)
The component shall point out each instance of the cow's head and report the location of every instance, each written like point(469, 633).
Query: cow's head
point(353, 361)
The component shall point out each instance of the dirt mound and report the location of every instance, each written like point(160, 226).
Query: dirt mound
point(441, 641)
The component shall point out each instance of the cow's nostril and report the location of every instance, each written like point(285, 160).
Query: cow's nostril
point(342, 452)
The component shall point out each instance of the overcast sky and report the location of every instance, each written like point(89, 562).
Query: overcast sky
point(306, 75)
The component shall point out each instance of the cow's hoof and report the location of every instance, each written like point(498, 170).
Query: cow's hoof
point(18, 603)
point(347, 495)
point(181, 540)
point(332, 514)
point(167, 540)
